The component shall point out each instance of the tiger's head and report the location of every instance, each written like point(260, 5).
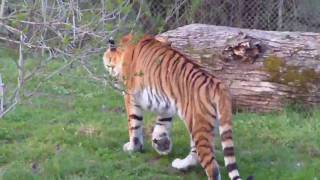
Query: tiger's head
point(113, 58)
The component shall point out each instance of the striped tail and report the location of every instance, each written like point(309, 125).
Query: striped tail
point(228, 151)
point(225, 128)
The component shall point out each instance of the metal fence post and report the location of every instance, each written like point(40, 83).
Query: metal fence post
point(1, 95)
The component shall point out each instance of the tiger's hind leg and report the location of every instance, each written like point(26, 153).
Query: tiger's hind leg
point(161, 140)
point(190, 161)
point(202, 135)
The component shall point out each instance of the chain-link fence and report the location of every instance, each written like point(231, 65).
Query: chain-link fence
point(279, 15)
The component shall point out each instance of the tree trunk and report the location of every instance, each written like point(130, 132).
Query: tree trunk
point(265, 70)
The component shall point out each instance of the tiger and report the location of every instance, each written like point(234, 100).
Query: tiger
point(160, 79)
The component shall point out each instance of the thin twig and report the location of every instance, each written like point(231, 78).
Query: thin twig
point(49, 77)
point(11, 107)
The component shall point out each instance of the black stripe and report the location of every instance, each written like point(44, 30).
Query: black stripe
point(236, 177)
point(195, 80)
point(152, 54)
point(149, 53)
point(228, 151)
point(137, 106)
point(210, 125)
point(158, 57)
point(186, 108)
point(212, 115)
point(135, 127)
point(203, 82)
point(169, 66)
point(185, 90)
point(202, 129)
point(183, 66)
point(208, 163)
point(174, 65)
point(192, 72)
point(202, 139)
point(165, 119)
point(216, 173)
point(182, 71)
point(218, 86)
point(190, 126)
point(204, 146)
point(159, 124)
point(133, 116)
point(201, 104)
point(149, 100)
point(176, 75)
point(156, 98)
point(226, 135)
point(136, 141)
point(133, 54)
point(160, 78)
point(142, 46)
point(172, 59)
point(193, 75)
point(203, 155)
point(231, 167)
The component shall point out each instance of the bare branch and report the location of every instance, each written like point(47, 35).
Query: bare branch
point(3, 2)
point(1, 96)
point(11, 107)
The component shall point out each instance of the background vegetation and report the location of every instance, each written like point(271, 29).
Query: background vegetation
point(65, 121)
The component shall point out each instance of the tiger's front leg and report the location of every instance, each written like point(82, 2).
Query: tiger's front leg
point(135, 126)
point(161, 140)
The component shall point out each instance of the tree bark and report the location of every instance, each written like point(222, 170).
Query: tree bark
point(284, 69)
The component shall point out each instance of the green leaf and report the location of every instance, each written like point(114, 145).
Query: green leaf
point(66, 40)
point(68, 27)
point(25, 29)
point(126, 9)
point(109, 27)
point(21, 16)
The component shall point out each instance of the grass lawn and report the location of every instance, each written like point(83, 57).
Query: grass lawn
point(74, 128)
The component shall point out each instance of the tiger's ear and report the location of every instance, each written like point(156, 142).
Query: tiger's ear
point(125, 40)
point(112, 45)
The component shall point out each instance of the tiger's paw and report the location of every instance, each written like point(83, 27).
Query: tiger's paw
point(183, 164)
point(162, 144)
point(135, 146)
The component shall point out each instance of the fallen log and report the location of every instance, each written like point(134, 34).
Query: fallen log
point(265, 70)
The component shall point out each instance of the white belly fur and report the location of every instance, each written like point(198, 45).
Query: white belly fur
point(150, 100)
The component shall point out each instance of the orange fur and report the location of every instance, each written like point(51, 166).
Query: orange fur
point(159, 78)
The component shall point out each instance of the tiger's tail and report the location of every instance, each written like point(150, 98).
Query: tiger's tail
point(224, 111)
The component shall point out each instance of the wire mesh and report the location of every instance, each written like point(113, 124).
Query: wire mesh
point(278, 15)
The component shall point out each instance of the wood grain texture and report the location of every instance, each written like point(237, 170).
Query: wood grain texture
point(287, 70)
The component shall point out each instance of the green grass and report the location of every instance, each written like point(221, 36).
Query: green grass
point(74, 128)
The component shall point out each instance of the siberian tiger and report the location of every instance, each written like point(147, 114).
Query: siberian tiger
point(160, 79)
